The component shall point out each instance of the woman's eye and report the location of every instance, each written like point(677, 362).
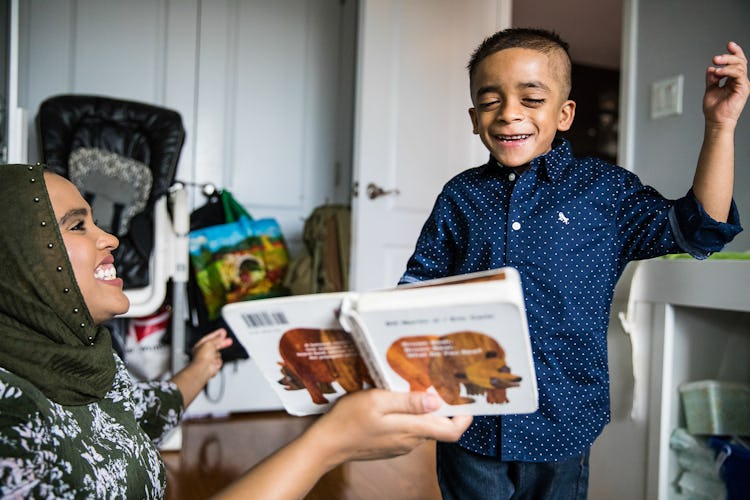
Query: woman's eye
point(78, 226)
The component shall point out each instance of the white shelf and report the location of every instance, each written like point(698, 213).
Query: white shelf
point(712, 284)
point(694, 318)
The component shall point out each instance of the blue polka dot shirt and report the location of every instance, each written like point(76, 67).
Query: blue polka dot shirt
point(569, 226)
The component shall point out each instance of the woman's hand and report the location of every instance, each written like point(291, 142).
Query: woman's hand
point(376, 424)
point(207, 352)
point(205, 365)
point(364, 425)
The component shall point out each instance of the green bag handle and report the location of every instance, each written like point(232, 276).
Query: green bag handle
point(233, 210)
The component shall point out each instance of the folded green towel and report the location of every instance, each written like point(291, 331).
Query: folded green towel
point(715, 256)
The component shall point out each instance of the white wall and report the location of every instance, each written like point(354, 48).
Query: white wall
point(262, 86)
point(4, 68)
point(680, 37)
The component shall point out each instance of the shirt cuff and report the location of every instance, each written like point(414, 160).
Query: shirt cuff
point(407, 278)
point(696, 232)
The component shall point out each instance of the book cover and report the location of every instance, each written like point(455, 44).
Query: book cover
point(464, 338)
point(300, 348)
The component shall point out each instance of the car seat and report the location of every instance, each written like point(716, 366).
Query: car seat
point(123, 156)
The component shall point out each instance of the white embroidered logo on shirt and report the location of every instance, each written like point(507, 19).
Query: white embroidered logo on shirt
point(562, 218)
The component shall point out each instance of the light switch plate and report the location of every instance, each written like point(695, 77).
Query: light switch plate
point(666, 97)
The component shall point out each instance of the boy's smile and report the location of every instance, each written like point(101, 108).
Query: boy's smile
point(520, 102)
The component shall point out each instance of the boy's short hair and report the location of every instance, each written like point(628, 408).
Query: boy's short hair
point(541, 40)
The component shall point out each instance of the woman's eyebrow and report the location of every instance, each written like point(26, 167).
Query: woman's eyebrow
point(73, 213)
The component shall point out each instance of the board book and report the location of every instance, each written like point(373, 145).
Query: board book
point(464, 338)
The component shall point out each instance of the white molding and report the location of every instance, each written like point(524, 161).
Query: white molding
point(628, 75)
point(17, 116)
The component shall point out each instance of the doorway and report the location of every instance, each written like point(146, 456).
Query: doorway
point(593, 28)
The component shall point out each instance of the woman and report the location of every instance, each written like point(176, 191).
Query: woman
point(72, 421)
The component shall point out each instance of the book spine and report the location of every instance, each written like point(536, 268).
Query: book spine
point(352, 322)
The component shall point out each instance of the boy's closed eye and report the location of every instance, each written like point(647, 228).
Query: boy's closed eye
point(489, 104)
point(533, 101)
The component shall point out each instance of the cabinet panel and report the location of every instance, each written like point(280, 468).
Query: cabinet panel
point(695, 318)
point(272, 107)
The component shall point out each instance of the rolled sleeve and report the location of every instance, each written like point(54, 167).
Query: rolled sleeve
point(696, 232)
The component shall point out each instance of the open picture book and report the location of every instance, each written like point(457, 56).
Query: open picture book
point(464, 338)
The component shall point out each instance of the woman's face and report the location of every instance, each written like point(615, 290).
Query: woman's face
point(89, 250)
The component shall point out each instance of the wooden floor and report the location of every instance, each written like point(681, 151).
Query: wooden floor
point(216, 451)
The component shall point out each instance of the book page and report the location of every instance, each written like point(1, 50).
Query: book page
point(466, 342)
point(300, 348)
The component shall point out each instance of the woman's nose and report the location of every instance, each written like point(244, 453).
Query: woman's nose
point(107, 240)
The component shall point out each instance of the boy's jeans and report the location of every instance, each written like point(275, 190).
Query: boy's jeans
point(463, 474)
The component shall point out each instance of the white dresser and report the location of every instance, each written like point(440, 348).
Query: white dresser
point(688, 320)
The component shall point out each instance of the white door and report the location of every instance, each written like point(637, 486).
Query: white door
point(412, 128)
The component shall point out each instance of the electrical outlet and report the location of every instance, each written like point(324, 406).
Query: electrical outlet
point(666, 97)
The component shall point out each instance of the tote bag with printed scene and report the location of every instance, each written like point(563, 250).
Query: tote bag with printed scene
point(243, 259)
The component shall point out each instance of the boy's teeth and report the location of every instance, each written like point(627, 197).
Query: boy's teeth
point(105, 273)
point(513, 137)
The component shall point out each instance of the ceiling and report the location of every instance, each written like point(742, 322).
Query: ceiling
point(593, 28)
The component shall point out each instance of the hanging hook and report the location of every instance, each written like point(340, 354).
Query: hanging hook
point(208, 189)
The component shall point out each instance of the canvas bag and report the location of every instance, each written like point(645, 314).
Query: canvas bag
point(242, 259)
point(197, 325)
point(324, 265)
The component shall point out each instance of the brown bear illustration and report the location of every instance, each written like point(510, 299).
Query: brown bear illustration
point(314, 359)
point(446, 362)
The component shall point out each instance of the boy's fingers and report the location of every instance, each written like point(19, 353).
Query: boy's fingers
point(735, 49)
point(735, 55)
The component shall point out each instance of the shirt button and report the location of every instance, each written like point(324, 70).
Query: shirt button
point(511, 176)
point(516, 226)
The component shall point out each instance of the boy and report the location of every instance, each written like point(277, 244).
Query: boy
point(569, 226)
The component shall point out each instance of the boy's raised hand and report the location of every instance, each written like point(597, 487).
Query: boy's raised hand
point(722, 104)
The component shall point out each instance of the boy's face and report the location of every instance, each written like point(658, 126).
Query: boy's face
point(520, 102)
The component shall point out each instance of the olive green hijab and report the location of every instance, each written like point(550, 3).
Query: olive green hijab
point(47, 335)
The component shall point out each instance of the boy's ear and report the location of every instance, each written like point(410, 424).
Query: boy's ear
point(474, 124)
point(567, 113)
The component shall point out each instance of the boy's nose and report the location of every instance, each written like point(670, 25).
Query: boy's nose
point(510, 111)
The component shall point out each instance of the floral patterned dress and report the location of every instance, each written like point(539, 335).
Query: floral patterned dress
point(105, 449)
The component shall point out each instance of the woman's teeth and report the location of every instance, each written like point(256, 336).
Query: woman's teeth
point(107, 272)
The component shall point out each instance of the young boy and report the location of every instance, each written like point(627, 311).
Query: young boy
point(569, 226)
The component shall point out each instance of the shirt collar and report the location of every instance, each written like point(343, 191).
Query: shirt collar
point(551, 165)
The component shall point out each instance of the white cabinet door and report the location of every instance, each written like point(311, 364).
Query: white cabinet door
point(412, 128)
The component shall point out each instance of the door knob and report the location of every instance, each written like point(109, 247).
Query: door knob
point(375, 191)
